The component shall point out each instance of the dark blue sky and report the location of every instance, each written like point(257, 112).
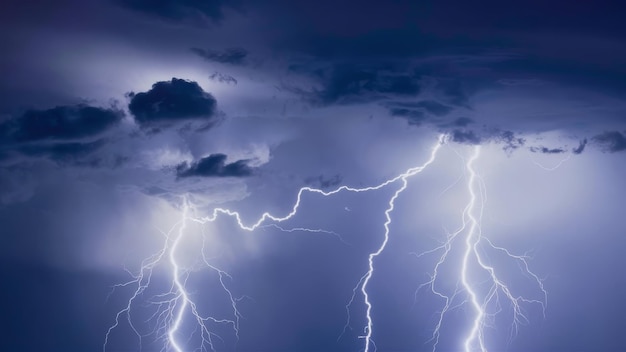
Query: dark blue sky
point(119, 119)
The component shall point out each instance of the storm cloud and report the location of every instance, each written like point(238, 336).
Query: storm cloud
point(350, 84)
point(232, 56)
point(214, 165)
point(173, 101)
point(223, 78)
point(61, 123)
point(613, 141)
point(238, 104)
point(546, 150)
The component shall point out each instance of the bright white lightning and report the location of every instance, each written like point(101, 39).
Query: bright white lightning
point(473, 258)
point(172, 306)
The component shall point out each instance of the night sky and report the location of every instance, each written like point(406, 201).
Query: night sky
point(124, 125)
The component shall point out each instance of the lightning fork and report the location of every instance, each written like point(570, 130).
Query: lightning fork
point(473, 245)
point(173, 305)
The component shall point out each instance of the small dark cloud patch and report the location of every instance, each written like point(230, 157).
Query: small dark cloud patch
point(465, 137)
point(417, 112)
point(613, 141)
point(180, 11)
point(222, 78)
point(433, 107)
point(214, 165)
point(60, 123)
point(324, 181)
point(510, 140)
point(581, 147)
point(545, 150)
point(233, 56)
point(173, 101)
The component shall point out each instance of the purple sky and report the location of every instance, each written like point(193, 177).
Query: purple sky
point(112, 112)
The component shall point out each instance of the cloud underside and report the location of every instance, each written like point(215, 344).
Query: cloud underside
point(61, 123)
point(613, 141)
point(63, 134)
point(214, 165)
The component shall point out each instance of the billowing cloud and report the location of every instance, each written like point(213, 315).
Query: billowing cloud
point(348, 84)
point(214, 165)
point(546, 150)
point(417, 112)
point(173, 101)
point(613, 141)
point(61, 123)
point(233, 56)
point(465, 137)
point(581, 147)
point(223, 78)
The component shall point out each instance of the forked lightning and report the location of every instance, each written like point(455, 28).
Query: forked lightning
point(171, 307)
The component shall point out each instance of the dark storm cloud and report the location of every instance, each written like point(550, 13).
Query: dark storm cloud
point(432, 107)
point(323, 181)
point(417, 112)
point(545, 150)
point(347, 84)
point(572, 71)
point(60, 123)
point(465, 137)
point(413, 117)
point(197, 11)
point(222, 78)
point(509, 141)
point(581, 147)
point(214, 165)
point(172, 101)
point(613, 141)
point(233, 56)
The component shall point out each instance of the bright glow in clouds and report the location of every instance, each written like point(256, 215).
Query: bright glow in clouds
point(480, 286)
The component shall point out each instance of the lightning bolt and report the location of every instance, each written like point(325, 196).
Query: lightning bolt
point(480, 295)
point(172, 307)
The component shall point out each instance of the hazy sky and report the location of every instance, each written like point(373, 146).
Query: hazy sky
point(117, 115)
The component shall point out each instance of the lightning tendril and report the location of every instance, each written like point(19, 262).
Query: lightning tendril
point(172, 307)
